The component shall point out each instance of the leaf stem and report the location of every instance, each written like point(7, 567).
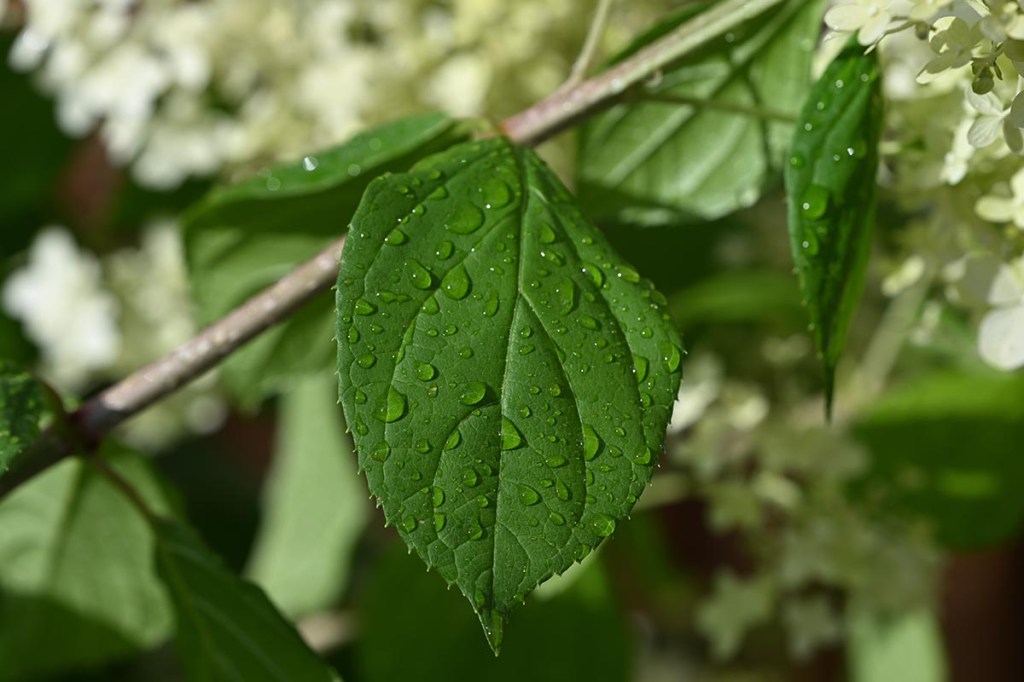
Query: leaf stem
point(566, 107)
point(589, 50)
point(204, 351)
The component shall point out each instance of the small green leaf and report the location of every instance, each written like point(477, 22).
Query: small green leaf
point(243, 237)
point(947, 449)
point(660, 158)
point(227, 628)
point(314, 509)
point(24, 403)
point(77, 586)
point(831, 188)
point(532, 421)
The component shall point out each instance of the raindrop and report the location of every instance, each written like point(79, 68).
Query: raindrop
point(421, 278)
point(595, 273)
point(381, 452)
point(363, 307)
point(510, 436)
point(465, 219)
point(437, 496)
point(408, 524)
point(310, 163)
point(396, 237)
point(556, 519)
point(814, 203)
point(393, 408)
point(425, 371)
point(588, 322)
point(423, 446)
point(528, 496)
point(359, 397)
point(444, 250)
point(470, 477)
point(456, 283)
point(491, 306)
point(602, 524)
point(367, 361)
point(439, 521)
point(352, 335)
point(453, 440)
point(671, 356)
point(591, 443)
point(473, 393)
point(641, 365)
point(547, 234)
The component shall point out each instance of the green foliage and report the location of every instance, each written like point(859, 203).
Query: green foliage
point(411, 623)
point(315, 506)
point(244, 237)
point(508, 378)
point(947, 449)
point(665, 155)
point(832, 192)
point(76, 582)
point(227, 628)
point(24, 403)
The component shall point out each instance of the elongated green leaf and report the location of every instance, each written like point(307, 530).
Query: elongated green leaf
point(77, 586)
point(658, 160)
point(947, 449)
point(227, 628)
point(315, 508)
point(244, 237)
point(24, 403)
point(831, 188)
point(507, 376)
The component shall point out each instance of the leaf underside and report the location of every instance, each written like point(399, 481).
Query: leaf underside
point(508, 378)
point(831, 188)
point(652, 162)
point(227, 628)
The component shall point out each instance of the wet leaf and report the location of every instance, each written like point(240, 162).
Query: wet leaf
point(487, 366)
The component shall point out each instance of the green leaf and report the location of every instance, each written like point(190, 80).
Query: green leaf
point(77, 587)
point(227, 628)
point(507, 376)
point(407, 618)
point(831, 189)
point(947, 449)
point(315, 508)
point(665, 158)
point(242, 238)
point(24, 403)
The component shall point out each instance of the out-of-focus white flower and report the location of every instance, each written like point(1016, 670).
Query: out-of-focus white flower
point(735, 606)
point(701, 388)
point(868, 18)
point(1001, 334)
point(1003, 209)
point(905, 276)
point(59, 298)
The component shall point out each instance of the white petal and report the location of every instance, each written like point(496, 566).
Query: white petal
point(985, 131)
point(1008, 285)
point(995, 209)
point(846, 17)
point(1001, 338)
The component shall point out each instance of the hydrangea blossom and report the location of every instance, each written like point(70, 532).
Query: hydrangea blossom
point(60, 299)
point(1001, 335)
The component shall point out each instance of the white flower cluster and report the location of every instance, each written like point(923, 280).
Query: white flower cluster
point(181, 88)
point(954, 74)
point(97, 320)
point(820, 556)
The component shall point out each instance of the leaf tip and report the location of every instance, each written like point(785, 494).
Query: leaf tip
point(493, 623)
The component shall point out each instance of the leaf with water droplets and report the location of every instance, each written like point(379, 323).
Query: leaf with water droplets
point(489, 385)
point(832, 197)
point(663, 155)
point(243, 237)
